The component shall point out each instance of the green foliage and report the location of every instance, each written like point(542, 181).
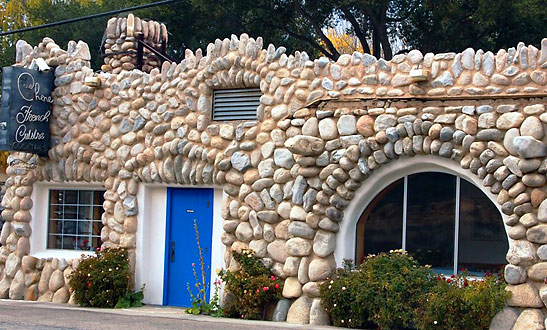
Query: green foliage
point(199, 298)
point(385, 290)
point(252, 286)
point(459, 303)
point(104, 279)
point(131, 299)
point(392, 291)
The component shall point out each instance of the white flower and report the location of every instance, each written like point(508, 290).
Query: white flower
point(343, 288)
point(334, 305)
point(434, 322)
point(109, 269)
point(331, 281)
point(342, 321)
point(330, 286)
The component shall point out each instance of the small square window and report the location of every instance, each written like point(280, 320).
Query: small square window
point(74, 220)
point(236, 104)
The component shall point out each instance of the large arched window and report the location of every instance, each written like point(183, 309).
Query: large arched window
point(441, 219)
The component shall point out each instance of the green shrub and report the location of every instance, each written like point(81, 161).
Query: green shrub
point(392, 291)
point(384, 290)
point(458, 303)
point(252, 286)
point(103, 280)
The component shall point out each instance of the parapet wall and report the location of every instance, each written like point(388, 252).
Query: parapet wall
point(323, 128)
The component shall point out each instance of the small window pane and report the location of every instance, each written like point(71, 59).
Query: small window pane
point(71, 197)
point(482, 241)
point(431, 219)
point(381, 225)
point(74, 219)
point(85, 197)
point(69, 243)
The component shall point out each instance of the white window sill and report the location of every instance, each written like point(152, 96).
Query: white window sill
point(65, 254)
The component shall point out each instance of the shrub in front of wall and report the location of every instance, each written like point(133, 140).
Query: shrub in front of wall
point(458, 303)
point(102, 280)
point(252, 286)
point(385, 291)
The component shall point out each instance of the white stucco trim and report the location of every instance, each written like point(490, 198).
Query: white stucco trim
point(381, 178)
point(151, 235)
point(39, 215)
point(150, 251)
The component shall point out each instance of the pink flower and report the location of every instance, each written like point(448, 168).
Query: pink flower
point(193, 264)
point(272, 277)
point(276, 286)
point(265, 288)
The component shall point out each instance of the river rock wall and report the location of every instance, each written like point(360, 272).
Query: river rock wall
point(323, 127)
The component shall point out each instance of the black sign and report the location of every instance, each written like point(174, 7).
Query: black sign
point(26, 109)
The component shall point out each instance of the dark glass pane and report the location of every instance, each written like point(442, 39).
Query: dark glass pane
point(55, 211)
point(69, 243)
point(83, 243)
point(55, 196)
point(55, 227)
point(430, 219)
point(71, 212)
point(98, 197)
point(380, 227)
point(482, 241)
point(71, 196)
point(84, 213)
point(95, 242)
point(86, 197)
point(54, 242)
point(69, 227)
point(84, 227)
point(97, 226)
point(98, 212)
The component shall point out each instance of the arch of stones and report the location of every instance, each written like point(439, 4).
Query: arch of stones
point(323, 127)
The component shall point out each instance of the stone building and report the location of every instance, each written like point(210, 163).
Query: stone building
point(307, 162)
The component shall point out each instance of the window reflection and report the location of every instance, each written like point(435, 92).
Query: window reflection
point(431, 218)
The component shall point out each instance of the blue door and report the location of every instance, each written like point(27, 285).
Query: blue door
point(186, 206)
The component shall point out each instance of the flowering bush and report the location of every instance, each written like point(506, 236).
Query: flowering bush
point(252, 287)
point(392, 291)
point(456, 302)
point(103, 280)
point(384, 290)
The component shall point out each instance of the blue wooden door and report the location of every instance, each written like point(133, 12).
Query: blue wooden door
point(184, 207)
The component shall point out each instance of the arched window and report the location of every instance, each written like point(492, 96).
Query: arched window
point(441, 219)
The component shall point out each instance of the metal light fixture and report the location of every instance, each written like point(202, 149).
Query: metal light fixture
point(417, 75)
point(92, 81)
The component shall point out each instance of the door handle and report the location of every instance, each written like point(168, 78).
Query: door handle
point(172, 252)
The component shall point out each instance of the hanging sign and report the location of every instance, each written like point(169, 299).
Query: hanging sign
point(26, 110)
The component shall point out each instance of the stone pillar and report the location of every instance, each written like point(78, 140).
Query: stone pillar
point(16, 230)
point(121, 34)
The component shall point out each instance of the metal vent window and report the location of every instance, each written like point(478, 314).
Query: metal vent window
point(236, 104)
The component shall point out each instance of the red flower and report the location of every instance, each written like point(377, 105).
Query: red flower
point(448, 281)
point(89, 284)
point(276, 286)
point(265, 288)
point(272, 277)
point(465, 283)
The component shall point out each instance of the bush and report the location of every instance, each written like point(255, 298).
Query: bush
point(458, 303)
point(103, 280)
point(385, 290)
point(252, 286)
point(392, 291)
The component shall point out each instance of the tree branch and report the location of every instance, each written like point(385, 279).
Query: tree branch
point(358, 31)
point(310, 41)
point(317, 28)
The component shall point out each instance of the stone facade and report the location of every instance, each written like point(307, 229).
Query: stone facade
point(323, 128)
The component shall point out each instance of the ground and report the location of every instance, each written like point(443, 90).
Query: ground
point(33, 315)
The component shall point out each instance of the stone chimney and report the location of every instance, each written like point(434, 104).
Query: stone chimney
point(120, 46)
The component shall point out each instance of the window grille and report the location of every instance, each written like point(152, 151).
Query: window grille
point(74, 221)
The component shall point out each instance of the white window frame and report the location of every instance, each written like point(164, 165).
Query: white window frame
point(40, 220)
